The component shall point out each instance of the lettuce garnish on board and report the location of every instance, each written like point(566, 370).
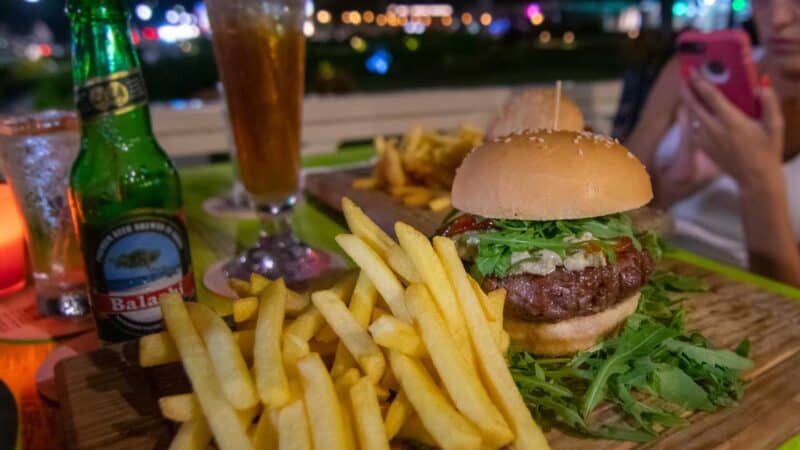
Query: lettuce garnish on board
point(652, 371)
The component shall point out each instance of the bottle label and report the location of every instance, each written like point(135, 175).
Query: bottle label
point(117, 93)
point(132, 263)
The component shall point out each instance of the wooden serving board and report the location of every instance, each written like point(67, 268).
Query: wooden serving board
point(385, 210)
point(107, 401)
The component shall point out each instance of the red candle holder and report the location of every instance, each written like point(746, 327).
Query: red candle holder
point(13, 269)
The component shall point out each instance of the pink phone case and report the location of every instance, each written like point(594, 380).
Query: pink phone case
point(723, 58)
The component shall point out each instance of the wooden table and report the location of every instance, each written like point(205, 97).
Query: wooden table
point(212, 239)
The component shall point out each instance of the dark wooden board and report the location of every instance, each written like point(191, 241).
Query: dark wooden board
point(107, 401)
point(385, 210)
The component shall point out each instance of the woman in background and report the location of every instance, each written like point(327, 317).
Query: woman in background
point(731, 181)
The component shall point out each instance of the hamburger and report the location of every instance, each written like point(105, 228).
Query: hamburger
point(535, 108)
point(542, 214)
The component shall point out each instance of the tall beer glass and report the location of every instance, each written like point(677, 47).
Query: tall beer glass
point(260, 52)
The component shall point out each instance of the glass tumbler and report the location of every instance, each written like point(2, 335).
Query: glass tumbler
point(37, 152)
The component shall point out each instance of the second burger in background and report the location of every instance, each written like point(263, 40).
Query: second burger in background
point(535, 108)
point(543, 216)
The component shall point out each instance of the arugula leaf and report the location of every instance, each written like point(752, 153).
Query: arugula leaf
point(674, 385)
point(651, 371)
point(722, 358)
point(496, 246)
point(633, 344)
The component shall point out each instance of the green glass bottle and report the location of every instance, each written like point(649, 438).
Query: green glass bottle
point(125, 194)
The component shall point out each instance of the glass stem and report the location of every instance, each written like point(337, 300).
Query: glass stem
point(276, 217)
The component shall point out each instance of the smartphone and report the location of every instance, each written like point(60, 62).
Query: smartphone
point(723, 58)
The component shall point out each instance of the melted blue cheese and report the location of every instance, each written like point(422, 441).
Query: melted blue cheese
point(543, 262)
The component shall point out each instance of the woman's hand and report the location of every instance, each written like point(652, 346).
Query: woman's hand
point(689, 171)
point(749, 150)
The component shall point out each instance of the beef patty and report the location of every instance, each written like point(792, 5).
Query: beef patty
point(563, 294)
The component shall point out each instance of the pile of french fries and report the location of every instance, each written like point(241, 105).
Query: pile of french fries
point(419, 168)
point(408, 348)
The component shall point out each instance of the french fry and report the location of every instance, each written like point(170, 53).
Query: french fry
point(192, 435)
point(459, 379)
point(294, 348)
point(346, 380)
point(361, 305)
point(503, 341)
point(296, 303)
point(395, 175)
point(294, 433)
point(379, 312)
point(326, 334)
point(488, 310)
point(344, 289)
point(395, 334)
point(448, 428)
point(527, 435)
point(324, 412)
point(367, 414)
point(266, 434)
point(419, 249)
point(399, 262)
point(228, 362)
point(222, 419)
point(268, 370)
point(399, 411)
point(325, 349)
point(342, 386)
point(363, 227)
point(379, 273)
point(158, 349)
point(180, 407)
point(366, 183)
point(353, 335)
point(244, 309)
point(414, 430)
point(439, 203)
point(306, 325)
point(497, 302)
point(417, 198)
point(258, 283)
point(240, 287)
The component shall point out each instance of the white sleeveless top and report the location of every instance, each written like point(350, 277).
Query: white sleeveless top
point(713, 214)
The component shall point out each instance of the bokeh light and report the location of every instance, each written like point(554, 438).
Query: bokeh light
point(144, 12)
point(323, 16)
point(379, 62)
point(358, 44)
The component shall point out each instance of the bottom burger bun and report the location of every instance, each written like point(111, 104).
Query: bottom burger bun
point(569, 336)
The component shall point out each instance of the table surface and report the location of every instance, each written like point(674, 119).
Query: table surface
point(212, 239)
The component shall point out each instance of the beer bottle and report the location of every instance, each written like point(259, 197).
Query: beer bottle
point(125, 194)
